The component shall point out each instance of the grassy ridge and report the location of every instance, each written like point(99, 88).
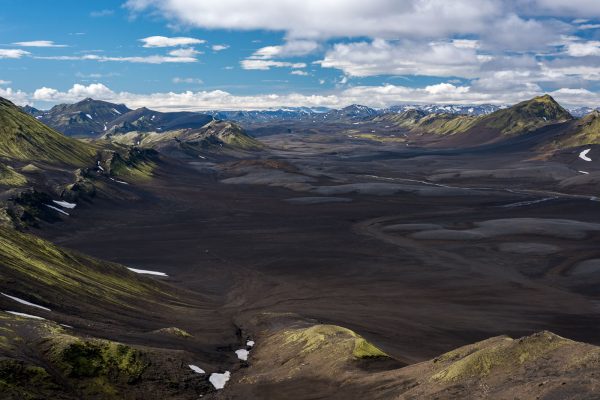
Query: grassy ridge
point(520, 118)
point(24, 138)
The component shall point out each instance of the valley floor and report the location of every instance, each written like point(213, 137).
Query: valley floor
point(369, 241)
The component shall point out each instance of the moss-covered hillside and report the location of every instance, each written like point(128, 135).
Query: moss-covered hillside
point(24, 138)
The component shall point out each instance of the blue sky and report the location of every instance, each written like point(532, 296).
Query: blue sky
point(232, 54)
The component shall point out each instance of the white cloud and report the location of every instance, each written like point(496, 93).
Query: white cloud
point(219, 47)
point(3, 82)
point(374, 96)
point(16, 96)
point(405, 58)
point(299, 72)
point(583, 49)
point(39, 43)
point(588, 26)
point(268, 64)
point(187, 52)
point(332, 18)
point(13, 53)
point(291, 48)
point(185, 56)
point(188, 80)
point(76, 93)
point(163, 41)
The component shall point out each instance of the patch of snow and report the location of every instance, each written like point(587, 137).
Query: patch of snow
point(152, 119)
point(250, 343)
point(583, 155)
point(38, 117)
point(219, 380)
point(100, 166)
point(56, 209)
point(242, 354)
point(89, 116)
point(121, 182)
point(116, 111)
point(66, 326)
point(65, 204)
point(143, 271)
point(202, 157)
point(20, 314)
point(105, 128)
point(27, 303)
point(584, 172)
point(196, 369)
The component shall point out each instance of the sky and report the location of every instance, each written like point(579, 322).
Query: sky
point(258, 54)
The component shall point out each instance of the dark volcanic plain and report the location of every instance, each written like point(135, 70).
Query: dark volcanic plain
point(290, 235)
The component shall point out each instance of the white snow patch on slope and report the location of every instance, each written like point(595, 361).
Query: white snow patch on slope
point(65, 204)
point(20, 314)
point(27, 303)
point(219, 380)
point(56, 209)
point(89, 116)
point(116, 111)
point(196, 369)
point(583, 155)
point(121, 182)
point(143, 271)
point(250, 343)
point(242, 354)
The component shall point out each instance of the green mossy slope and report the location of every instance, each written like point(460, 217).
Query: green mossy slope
point(24, 138)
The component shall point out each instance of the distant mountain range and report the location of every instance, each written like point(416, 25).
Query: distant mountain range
point(94, 118)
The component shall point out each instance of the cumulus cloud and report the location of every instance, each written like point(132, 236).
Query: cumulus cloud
point(163, 41)
point(39, 43)
point(458, 58)
point(332, 18)
point(16, 96)
point(374, 96)
point(13, 53)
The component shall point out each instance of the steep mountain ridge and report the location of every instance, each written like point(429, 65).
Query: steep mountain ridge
point(24, 138)
point(465, 130)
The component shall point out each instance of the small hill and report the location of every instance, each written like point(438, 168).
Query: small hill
point(339, 364)
point(585, 132)
point(24, 138)
point(216, 137)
